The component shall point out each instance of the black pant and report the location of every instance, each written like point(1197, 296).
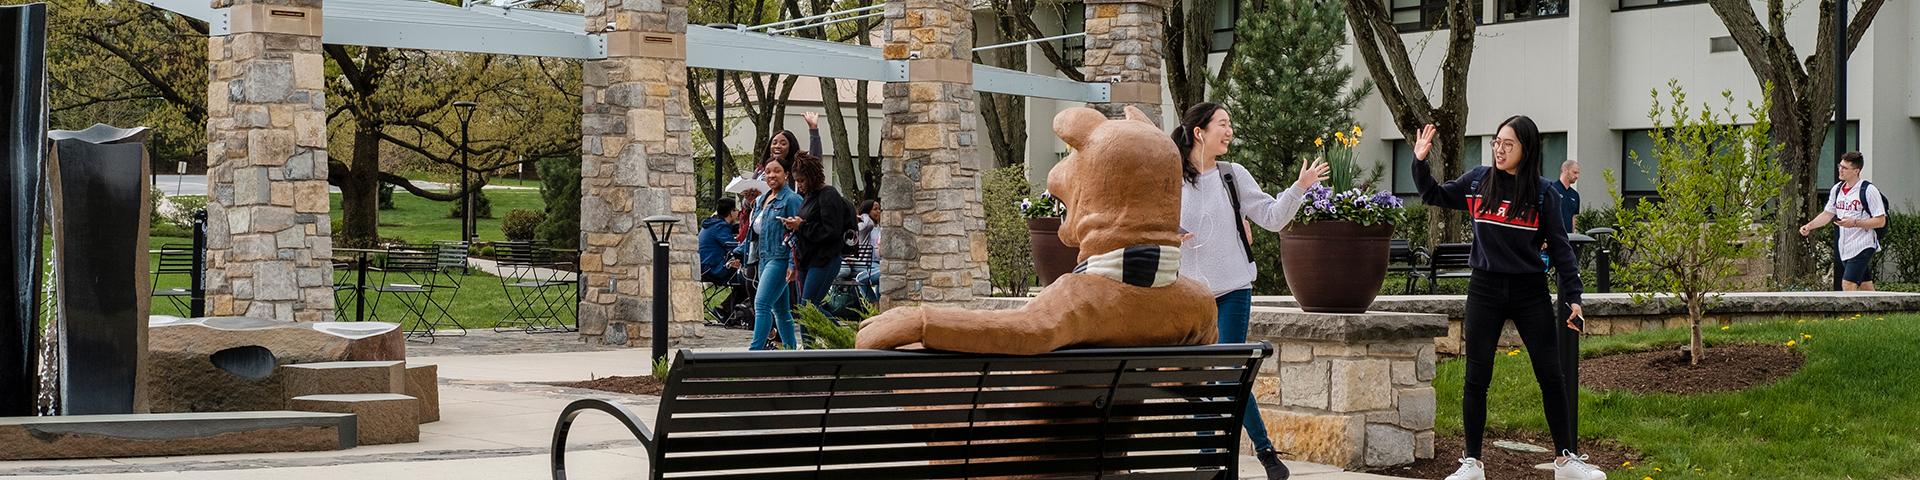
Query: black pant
point(1492, 299)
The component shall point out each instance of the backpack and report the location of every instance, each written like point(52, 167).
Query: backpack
point(1865, 203)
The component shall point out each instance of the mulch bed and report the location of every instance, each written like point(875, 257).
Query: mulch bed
point(626, 385)
point(1503, 463)
point(1724, 369)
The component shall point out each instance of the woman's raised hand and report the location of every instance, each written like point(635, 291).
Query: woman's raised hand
point(1312, 174)
point(1424, 144)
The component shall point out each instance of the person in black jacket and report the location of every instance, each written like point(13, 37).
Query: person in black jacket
point(1514, 211)
point(820, 232)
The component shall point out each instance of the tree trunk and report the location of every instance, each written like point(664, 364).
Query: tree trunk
point(1379, 45)
point(1693, 314)
point(360, 193)
point(843, 172)
point(1005, 115)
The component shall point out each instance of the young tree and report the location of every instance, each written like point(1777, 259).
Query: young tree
point(1287, 87)
point(1005, 115)
point(1802, 105)
point(1716, 180)
point(1385, 55)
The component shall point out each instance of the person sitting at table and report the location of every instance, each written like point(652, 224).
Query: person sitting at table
point(716, 235)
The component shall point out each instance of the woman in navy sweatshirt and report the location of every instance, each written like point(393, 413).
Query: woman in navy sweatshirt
point(1513, 212)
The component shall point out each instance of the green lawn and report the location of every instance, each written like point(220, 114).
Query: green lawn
point(418, 220)
point(480, 301)
point(1853, 411)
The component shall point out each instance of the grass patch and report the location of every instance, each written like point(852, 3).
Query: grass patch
point(1849, 413)
point(419, 220)
point(480, 302)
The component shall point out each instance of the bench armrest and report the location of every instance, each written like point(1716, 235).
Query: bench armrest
point(560, 429)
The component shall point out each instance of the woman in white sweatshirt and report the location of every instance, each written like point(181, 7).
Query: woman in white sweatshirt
point(1216, 249)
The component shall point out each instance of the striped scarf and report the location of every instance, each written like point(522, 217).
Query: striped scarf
point(1150, 266)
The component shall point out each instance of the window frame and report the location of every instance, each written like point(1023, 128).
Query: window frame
point(1499, 13)
point(1438, 10)
point(1620, 5)
point(1233, 20)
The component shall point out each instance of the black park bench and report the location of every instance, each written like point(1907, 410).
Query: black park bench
point(1136, 413)
point(1448, 260)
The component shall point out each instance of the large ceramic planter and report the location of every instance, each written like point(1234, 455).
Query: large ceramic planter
point(1335, 266)
point(1051, 258)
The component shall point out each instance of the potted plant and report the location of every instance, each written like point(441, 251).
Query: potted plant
point(1334, 253)
point(1051, 257)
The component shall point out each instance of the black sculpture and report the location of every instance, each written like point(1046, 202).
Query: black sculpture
point(98, 182)
point(23, 109)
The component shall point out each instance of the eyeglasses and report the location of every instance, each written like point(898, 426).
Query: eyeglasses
point(1498, 144)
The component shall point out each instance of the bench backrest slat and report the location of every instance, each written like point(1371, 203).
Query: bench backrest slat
point(875, 414)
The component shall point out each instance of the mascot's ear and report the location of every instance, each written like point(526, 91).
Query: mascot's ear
point(1075, 125)
point(1136, 114)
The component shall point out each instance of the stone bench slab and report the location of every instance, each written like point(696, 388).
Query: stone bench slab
point(171, 434)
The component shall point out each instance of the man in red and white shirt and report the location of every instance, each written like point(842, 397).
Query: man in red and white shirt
point(1860, 208)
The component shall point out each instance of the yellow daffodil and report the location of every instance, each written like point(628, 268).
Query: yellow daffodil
point(1357, 131)
point(1658, 470)
point(1726, 327)
point(1804, 336)
point(1649, 477)
point(1319, 141)
point(1790, 343)
point(1513, 353)
point(1626, 464)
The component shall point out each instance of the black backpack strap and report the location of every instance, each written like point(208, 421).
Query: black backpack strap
point(1233, 196)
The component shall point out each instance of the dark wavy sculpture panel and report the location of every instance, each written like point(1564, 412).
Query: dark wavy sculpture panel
point(23, 109)
point(98, 182)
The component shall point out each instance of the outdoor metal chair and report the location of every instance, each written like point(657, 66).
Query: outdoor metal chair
point(538, 291)
point(175, 260)
point(847, 292)
point(413, 277)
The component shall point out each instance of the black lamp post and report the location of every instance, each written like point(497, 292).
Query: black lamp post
point(720, 154)
point(466, 197)
point(1839, 117)
point(660, 228)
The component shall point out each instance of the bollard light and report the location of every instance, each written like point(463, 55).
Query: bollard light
point(660, 229)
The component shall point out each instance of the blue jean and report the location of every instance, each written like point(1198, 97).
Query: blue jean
point(816, 281)
point(1235, 308)
point(772, 304)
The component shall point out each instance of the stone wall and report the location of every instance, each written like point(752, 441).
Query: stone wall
point(935, 249)
point(636, 162)
point(269, 245)
point(1348, 390)
point(1124, 41)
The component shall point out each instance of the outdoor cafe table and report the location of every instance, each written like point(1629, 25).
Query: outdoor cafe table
point(360, 282)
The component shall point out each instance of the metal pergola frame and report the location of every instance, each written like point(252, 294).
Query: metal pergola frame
point(507, 30)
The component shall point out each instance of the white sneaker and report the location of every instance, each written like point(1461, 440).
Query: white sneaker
point(1575, 467)
point(1470, 469)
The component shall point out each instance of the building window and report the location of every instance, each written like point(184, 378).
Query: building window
point(1423, 15)
point(1226, 15)
point(1073, 19)
point(1513, 10)
point(1553, 153)
point(1633, 4)
point(1638, 175)
point(1825, 180)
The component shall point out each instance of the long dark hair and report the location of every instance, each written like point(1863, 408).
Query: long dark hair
point(1197, 116)
point(793, 146)
point(1522, 189)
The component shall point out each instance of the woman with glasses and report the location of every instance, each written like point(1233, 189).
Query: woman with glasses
point(1514, 211)
point(1215, 197)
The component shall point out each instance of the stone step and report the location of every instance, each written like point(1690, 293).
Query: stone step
point(423, 382)
point(335, 378)
point(171, 434)
point(383, 418)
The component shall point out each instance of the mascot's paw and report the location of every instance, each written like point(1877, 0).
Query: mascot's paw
point(894, 329)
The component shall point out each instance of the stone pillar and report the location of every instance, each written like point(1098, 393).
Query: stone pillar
point(1348, 390)
point(636, 162)
point(935, 249)
point(269, 245)
point(1124, 41)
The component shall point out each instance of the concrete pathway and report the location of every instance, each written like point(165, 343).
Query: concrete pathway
point(497, 418)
